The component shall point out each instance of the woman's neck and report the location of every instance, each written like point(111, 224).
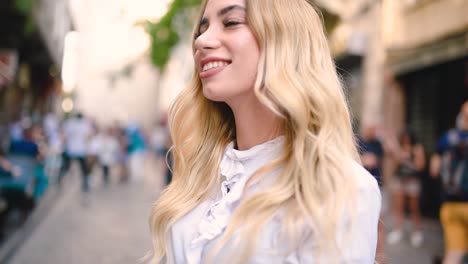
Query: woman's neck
point(255, 123)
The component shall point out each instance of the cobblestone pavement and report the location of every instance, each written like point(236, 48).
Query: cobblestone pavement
point(108, 226)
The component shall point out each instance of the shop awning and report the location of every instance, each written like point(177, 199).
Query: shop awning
point(405, 60)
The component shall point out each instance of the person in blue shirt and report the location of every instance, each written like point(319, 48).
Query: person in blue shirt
point(135, 149)
point(451, 163)
point(371, 151)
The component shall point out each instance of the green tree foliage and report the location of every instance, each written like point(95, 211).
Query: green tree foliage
point(165, 34)
point(25, 7)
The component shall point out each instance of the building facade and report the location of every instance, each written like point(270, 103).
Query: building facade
point(427, 57)
point(115, 80)
point(405, 65)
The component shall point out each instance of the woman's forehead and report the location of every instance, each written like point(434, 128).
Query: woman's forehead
point(214, 6)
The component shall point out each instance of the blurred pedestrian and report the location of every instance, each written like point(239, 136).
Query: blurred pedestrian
point(407, 185)
point(77, 132)
point(122, 157)
point(371, 151)
point(108, 152)
point(93, 146)
point(12, 196)
point(451, 162)
point(159, 136)
point(136, 152)
point(24, 181)
point(53, 134)
point(160, 144)
point(28, 144)
point(265, 162)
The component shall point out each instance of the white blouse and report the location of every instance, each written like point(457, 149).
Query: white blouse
point(197, 232)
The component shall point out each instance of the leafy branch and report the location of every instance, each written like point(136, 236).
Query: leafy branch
point(165, 33)
point(25, 7)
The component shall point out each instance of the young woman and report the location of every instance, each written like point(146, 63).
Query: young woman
point(265, 164)
point(407, 184)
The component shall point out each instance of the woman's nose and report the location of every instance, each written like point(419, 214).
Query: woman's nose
point(207, 40)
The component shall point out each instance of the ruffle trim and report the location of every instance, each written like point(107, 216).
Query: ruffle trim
point(216, 218)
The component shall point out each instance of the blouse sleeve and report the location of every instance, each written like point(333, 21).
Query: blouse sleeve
point(360, 247)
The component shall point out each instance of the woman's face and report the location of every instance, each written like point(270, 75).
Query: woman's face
point(226, 52)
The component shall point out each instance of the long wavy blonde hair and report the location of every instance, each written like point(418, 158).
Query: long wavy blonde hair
point(297, 80)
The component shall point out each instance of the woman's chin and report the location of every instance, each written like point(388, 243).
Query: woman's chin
point(215, 96)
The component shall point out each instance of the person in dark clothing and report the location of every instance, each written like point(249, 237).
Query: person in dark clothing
point(451, 163)
point(406, 188)
point(371, 152)
point(77, 130)
point(27, 146)
point(12, 193)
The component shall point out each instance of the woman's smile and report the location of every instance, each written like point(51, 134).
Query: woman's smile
point(212, 66)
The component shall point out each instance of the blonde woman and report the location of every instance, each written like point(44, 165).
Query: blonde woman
point(265, 164)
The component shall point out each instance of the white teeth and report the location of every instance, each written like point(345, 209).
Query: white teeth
point(214, 64)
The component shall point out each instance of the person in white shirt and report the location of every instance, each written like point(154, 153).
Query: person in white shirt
point(77, 131)
point(107, 152)
point(265, 163)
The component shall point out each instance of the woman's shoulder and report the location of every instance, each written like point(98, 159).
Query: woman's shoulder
point(364, 180)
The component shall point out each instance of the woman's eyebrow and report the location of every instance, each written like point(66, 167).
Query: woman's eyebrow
point(228, 9)
point(223, 12)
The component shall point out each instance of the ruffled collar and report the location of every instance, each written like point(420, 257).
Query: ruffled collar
point(232, 168)
point(233, 159)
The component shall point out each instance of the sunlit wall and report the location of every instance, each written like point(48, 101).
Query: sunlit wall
point(115, 80)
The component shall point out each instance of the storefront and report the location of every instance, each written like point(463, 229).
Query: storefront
point(434, 79)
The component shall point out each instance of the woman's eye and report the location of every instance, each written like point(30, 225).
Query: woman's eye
point(231, 23)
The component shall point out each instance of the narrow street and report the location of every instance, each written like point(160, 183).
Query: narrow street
point(109, 227)
point(404, 253)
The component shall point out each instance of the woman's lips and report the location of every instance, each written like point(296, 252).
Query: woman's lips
point(211, 72)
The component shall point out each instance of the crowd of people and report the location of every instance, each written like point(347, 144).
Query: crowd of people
point(36, 155)
point(449, 163)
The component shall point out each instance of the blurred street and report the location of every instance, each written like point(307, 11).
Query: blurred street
point(403, 252)
point(110, 227)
